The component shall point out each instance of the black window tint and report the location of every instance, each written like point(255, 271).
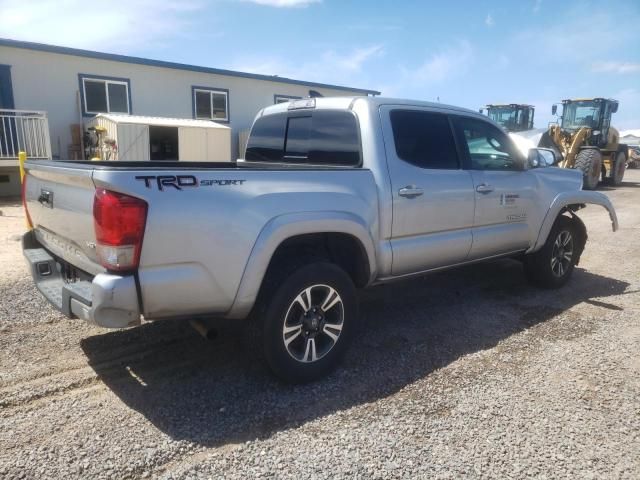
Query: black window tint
point(320, 137)
point(297, 144)
point(95, 96)
point(424, 139)
point(266, 142)
point(489, 147)
point(335, 139)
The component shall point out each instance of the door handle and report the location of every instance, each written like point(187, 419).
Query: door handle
point(484, 188)
point(410, 191)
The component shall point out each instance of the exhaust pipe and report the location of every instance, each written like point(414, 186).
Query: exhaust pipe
point(206, 332)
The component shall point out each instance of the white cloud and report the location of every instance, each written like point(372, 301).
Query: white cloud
point(116, 26)
point(328, 67)
point(626, 117)
point(616, 67)
point(284, 3)
point(616, 32)
point(536, 6)
point(441, 66)
point(488, 21)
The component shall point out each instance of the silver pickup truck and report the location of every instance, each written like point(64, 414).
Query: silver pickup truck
point(334, 194)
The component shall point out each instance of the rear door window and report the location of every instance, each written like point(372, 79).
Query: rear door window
point(319, 137)
point(424, 139)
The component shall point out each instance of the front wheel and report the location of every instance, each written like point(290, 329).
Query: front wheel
point(589, 161)
point(553, 264)
point(309, 322)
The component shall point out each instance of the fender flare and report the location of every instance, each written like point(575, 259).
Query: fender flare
point(563, 201)
point(282, 227)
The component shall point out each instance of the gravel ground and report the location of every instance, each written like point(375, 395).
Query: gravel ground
point(469, 373)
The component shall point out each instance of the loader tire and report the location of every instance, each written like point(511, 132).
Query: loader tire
point(618, 169)
point(589, 161)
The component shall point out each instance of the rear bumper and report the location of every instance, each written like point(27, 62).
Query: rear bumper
point(107, 300)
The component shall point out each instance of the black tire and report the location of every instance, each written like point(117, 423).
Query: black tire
point(618, 168)
point(589, 161)
point(553, 264)
point(298, 343)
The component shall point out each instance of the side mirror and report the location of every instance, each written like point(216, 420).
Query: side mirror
point(554, 109)
point(614, 107)
point(481, 111)
point(541, 157)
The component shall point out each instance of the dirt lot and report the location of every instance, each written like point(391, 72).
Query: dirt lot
point(468, 373)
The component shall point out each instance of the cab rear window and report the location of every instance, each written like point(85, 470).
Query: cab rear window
point(319, 137)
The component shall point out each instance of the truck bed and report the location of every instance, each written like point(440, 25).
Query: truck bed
point(204, 220)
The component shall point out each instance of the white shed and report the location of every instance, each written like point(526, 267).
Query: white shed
point(158, 138)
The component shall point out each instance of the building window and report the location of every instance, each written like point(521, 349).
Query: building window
point(105, 95)
point(284, 98)
point(210, 104)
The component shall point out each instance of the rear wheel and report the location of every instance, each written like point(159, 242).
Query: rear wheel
point(553, 264)
point(589, 161)
point(618, 168)
point(308, 322)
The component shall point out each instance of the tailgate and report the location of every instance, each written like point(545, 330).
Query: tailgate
point(60, 203)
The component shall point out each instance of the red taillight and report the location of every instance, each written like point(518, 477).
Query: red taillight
point(23, 194)
point(119, 222)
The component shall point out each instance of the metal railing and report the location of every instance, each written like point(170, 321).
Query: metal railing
point(26, 131)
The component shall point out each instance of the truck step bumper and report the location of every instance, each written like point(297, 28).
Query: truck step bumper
point(108, 300)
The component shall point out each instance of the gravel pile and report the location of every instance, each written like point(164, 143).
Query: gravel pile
point(470, 373)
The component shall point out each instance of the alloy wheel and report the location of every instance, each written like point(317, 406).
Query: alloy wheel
point(562, 253)
point(313, 323)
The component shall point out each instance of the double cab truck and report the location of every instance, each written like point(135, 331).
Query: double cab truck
point(333, 195)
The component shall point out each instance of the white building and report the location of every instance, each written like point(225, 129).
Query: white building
point(73, 85)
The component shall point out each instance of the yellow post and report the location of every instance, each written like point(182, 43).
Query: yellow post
point(22, 157)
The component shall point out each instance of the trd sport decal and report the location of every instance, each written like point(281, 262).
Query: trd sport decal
point(183, 181)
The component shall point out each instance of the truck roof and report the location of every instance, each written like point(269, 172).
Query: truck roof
point(347, 102)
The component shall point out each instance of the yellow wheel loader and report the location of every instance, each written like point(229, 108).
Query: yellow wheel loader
point(513, 117)
point(585, 140)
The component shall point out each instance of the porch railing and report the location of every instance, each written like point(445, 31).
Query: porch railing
point(24, 130)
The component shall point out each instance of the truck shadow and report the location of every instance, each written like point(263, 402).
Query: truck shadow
point(624, 184)
point(212, 394)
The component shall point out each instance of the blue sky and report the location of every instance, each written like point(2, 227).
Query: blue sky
point(466, 53)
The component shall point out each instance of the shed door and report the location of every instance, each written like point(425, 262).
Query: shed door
point(133, 142)
point(192, 144)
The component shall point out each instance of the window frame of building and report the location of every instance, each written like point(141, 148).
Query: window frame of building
point(277, 98)
point(83, 77)
point(211, 90)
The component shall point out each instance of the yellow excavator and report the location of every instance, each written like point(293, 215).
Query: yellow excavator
point(586, 141)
